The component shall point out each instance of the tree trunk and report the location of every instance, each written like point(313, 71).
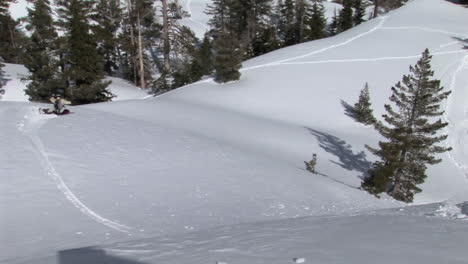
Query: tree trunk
point(132, 40)
point(140, 54)
point(376, 8)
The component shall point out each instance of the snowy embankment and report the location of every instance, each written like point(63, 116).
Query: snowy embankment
point(208, 155)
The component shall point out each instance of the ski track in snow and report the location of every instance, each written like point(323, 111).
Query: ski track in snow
point(458, 134)
point(29, 127)
point(189, 10)
point(426, 29)
point(371, 59)
point(379, 25)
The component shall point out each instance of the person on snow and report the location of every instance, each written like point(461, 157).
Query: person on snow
point(59, 104)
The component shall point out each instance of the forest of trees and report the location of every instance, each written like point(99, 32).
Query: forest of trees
point(143, 41)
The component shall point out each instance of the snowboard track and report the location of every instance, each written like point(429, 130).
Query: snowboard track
point(29, 128)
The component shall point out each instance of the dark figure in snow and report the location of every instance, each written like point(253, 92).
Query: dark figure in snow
point(59, 106)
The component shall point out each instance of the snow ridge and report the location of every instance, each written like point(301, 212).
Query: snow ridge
point(29, 126)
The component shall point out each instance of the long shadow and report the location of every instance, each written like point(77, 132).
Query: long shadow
point(90, 255)
point(464, 41)
point(338, 181)
point(349, 109)
point(347, 158)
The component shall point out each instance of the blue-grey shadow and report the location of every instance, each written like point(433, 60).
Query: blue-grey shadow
point(348, 159)
point(91, 255)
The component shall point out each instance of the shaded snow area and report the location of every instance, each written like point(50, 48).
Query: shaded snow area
point(16, 85)
point(215, 173)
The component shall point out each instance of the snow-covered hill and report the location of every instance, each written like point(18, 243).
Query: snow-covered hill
point(206, 155)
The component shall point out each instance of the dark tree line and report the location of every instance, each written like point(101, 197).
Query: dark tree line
point(143, 41)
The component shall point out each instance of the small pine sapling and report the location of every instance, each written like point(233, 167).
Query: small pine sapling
point(363, 112)
point(311, 164)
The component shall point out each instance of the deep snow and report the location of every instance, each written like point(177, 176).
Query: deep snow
point(206, 155)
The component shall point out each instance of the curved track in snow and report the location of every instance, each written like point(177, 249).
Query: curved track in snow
point(29, 127)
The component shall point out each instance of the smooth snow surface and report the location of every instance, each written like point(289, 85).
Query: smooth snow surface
point(164, 173)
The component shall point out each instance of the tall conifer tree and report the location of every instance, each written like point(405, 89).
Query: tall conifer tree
point(359, 12)
point(317, 22)
point(12, 39)
point(2, 80)
point(83, 72)
point(412, 133)
point(228, 57)
point(363, 109)
point(302, 14)
point(346, 16)
point(40, 58)
point(108, 16)
point(287, 23)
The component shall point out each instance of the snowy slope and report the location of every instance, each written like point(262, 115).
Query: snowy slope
point(406, 238)
point(208, 155)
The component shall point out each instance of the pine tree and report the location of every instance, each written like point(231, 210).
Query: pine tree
point(204, 58)
point(12, 39)
point(359, 12)
point(302, 14)
point(376, 8)
point(363, 108)
point(2, 80)
point(317, 22)
point(345, 17)
point(40, 58)
point(412, 134)
point(267, 40)
point(82, 73)
point(109, 16)
point(333, 27)
point(228, 57)
point(287, 23)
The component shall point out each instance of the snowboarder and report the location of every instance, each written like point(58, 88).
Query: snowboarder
point(59, 106)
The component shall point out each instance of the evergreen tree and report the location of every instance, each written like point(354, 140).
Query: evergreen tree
point(411, 133)
point(287, 23)
point(228, 57)
point(203, 59)
point(108, 16)
point(83, 75)
point(363, 108)
point(345, 17)
point(2, 80)
point(267, 40)
point(40, 58)
point(317, 22)
point(359, 12)
point(333, 27)
point(12, 40)
point(376, 8)
point(302, 14)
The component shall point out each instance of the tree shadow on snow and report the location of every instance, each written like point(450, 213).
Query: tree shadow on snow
point(90, 255)
point(347, 158)
point(349, 109)
point(464, 41)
